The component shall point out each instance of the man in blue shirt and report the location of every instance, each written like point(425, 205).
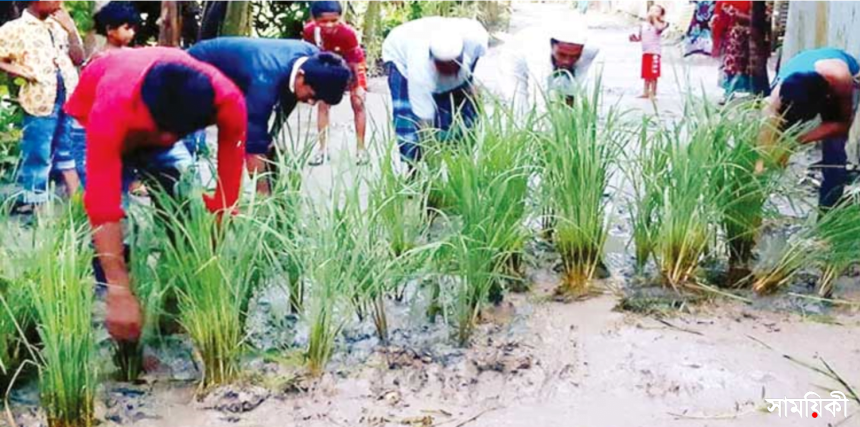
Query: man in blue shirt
point(274, 74)
point(819, 83)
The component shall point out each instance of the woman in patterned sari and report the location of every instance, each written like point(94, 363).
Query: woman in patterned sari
point(731, 32)
point(698, 38)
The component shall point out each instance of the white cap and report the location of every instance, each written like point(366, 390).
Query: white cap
point(446, 46)
point(571, 32)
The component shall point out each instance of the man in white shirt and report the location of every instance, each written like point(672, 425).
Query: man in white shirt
point(430, 63)
point(541, 62)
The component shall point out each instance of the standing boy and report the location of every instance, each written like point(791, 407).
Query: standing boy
point(43, 47)
point(117, 21)
point(330, 34)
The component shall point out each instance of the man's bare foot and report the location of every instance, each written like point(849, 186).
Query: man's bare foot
point(644, 96)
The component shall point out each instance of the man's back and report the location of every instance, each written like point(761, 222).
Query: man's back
point(249, 61)
point(409, 44)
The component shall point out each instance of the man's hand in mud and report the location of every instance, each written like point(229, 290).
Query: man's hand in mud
point(124, 319)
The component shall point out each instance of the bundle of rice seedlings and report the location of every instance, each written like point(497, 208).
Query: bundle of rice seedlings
point(152, 292)
point(830, 243)
point(211, 264)
point(62, 293)
point(487, 188)
point(741, 190)
point(281, 213)
point(645, 173)
point(686, 210)
point(329, 263)
point(579, 153)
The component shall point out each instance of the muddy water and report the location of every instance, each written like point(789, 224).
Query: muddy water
point(551, 364)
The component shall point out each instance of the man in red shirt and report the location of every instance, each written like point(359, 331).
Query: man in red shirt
point(330, 34)
point(134, 105)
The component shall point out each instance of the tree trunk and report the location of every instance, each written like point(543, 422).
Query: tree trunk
point(237, 21)
point(169, 24)
point(371, 22)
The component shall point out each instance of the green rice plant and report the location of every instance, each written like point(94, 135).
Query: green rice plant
point(645, 173)
point(62, 293)
point(399, 206)
point(211, 261)
point(579, 153)
point(281, 212)
point(687, 208)
point(829, 243)
point(486, 186)
point(152, 292)
point(329, 263)
point(16, 306)
point(741, 190)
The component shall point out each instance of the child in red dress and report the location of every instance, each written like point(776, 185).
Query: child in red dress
point(649, 35)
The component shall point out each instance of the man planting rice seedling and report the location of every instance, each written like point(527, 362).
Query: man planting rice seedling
point(430, 63)
point(553, 59)
point(309, 306)
point(274, 73)
point(819, 82)
point(134, 105)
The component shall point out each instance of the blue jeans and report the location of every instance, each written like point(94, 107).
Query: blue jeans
point(156, 163)
point(46, 144)
point(834, 178)
point(79, 150)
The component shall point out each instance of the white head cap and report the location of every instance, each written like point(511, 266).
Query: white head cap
point(446, 46)
point(570, 32)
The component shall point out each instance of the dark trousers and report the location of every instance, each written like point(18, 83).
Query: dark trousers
point(833, 160)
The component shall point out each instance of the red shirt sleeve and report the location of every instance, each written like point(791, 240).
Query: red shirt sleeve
point(105, 136)
point(232, 127)
point(350, 47)
point(308, 33)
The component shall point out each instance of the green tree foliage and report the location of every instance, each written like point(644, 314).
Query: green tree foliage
point(280, 19)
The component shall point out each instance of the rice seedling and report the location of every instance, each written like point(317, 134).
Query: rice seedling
point(486, 187)
point(644, 172)
point(62, 295)
point(687, 210)
point(16, 309)
point(741, 190)
point(329, 264)
point(152, 292)
point(399, 206)
point(280, 213)
point(579, 152)
point(829, 243)
point(211, 263)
